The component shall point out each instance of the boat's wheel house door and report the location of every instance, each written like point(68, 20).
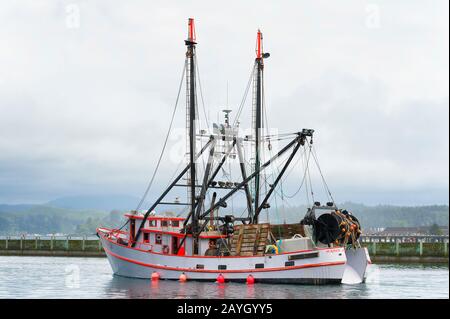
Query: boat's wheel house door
point(132, 229)
point(174, 245)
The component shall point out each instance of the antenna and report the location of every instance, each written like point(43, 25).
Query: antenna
point(227, 95)
point(227, 117)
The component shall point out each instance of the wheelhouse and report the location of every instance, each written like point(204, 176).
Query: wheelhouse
point(163, 234)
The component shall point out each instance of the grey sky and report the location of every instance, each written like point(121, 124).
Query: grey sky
point(85, 99)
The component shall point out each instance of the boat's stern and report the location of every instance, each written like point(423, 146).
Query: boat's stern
point(356, 265)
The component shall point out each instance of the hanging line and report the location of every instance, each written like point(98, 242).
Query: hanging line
point(201, 92)
point(244, 98)
point(321, 174)
point(310, 184)
point(306, 181)
point(165, 141)
point(306, 164)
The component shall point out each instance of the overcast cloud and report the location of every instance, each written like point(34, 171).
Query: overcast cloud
point(87, 89)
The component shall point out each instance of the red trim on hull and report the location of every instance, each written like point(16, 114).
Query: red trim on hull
point(155, 217)
point(224, 271)
point(156, 253)
point(180, 235)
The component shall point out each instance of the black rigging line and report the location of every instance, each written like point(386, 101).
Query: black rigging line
point(293, 165)
point(201, 92)
point(320, 171)
point(244, 98)
point(165, 142)
point(306, 183)
point(310, 185)
point(303, 179)
point(203, 107)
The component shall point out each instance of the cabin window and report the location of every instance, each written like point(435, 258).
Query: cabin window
point(289, 263)
point(164, 223)
point(152, 223)
point(175, 223)
point(200, 266)
point(259, 265)
point(145, 237)
point(222, 267)
point(158, 239)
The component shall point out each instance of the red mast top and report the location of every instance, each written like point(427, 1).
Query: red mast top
point(191, 30)
point(259, 45)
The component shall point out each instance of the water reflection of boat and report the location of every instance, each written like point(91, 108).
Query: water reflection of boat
point(205, 244)
point(132, 288)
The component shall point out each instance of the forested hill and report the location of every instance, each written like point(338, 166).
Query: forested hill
point(381, 215)
point(46, 219)
point(42, 219)
point(400, 216)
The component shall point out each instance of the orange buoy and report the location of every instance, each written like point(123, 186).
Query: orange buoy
point(155, 276)
point(220, 279)
point(183, 277)
point(250, 280)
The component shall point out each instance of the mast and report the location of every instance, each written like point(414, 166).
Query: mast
point(257, 121)
point(191, 116)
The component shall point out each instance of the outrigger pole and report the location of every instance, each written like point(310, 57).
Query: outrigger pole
point(172, 185)
point(296, 143)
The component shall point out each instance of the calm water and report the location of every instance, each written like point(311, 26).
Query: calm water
point(60, 277)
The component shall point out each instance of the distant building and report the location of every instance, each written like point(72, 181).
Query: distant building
point(372, 230)
point(410, 231)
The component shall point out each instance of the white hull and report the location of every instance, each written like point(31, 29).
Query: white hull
point(329, 265)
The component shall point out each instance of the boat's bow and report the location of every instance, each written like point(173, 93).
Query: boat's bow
point(356, 265)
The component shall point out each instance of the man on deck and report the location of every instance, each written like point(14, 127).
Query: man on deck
point(212, 249)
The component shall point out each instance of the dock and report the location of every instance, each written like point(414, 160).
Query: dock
point(382, 249)
point(426, 248)
point(57, 246)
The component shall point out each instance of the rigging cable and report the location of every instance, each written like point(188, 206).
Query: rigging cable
point(310, 183)
point(244, 98)
point(306, 163)
point(320, 171)
point(201, 93)
point(165, 142)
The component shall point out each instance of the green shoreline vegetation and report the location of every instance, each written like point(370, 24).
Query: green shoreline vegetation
point(47, 219)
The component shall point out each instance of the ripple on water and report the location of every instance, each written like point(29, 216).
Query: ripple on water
point(70, 277)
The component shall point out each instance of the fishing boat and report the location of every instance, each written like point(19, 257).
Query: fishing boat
point(208, 241)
